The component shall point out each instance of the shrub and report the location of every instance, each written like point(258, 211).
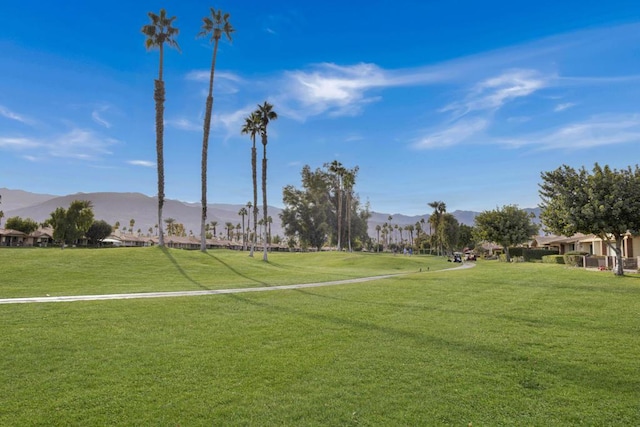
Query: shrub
point(575, 258)
point(553, 259)
point(529, 254)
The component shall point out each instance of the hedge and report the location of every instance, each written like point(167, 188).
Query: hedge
point(529, 254)
point(553, 259)
point(575, 258)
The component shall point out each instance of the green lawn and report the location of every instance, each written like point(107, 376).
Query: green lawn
point(38, 272)
point(519, 344)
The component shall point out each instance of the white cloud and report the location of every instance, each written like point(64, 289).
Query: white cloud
point(593, 132)
point(19, 143)
point(203, 76)
point(493, 93)
point(80, 144)
point(184, 124)
point(337, 89)
point(95, 115)
point(144, 163)
point(565, 106)
point(5, 112)
point(459, 132)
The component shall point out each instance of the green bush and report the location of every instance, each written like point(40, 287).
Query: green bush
point(553, 259)
point(529, 254)
point(575, 258)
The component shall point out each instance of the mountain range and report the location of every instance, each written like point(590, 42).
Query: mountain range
point(123, 207)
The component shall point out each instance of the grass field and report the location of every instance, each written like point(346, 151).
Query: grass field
point(499, 344)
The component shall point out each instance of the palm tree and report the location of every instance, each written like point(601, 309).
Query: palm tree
point(214, 224)
point(132, 222)
point(269, 222)
point(243, 212)
point(170, 225)
point(215, 25)
point(1, 216)
point(229, 227)
point(238, 228)
point(439, 208)
point(266, 115)
point(410, 229)
point(159, 32)
point(349, 182)
point(249, 205)
point(338, 170)
point(252, 128)
point(378, 242)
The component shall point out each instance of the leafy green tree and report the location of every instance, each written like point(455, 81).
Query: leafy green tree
point(159, 32)
point(605, 202)
point(98, 231)
point(449, 232)
point(309, 215)
point(26, 225)
point(267, 115)
point(305, 214)
point(466, 237)
point(73, 223)
point(215, 25)
point(508, 226)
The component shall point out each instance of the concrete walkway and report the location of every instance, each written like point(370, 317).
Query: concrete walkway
point(210, 292)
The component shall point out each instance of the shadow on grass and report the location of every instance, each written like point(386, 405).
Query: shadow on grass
point(236, 271)
point(516, 360)
point(181, 270)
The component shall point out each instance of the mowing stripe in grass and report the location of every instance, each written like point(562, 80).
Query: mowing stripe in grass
point(199, 293)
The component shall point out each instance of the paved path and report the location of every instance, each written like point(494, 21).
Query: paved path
point(210, 292)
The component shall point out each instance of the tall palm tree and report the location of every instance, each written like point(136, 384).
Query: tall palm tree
point(269, 222)
point(266, 115)
point(251, 127)
point(338, 171)
point(214, 224)
point(378, 241)
point(249, 206)
point(439, 208)
point(229, 227)
point(170, 225)
point(159, 32)
point(132, 222)
point(215, 25)
point(243, 212)
point(349, 182)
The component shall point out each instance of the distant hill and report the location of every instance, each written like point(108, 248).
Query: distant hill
point(16, 199)
point(123, 207)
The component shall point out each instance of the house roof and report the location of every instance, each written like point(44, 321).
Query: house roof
point(10, 232)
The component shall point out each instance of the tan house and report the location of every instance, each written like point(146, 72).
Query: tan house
point(600, 253)
point(10, 237)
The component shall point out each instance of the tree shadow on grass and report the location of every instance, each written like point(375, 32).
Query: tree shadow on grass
point(181, 270)
point(237, 272)
point(518, 361)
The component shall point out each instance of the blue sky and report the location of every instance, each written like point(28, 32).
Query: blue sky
point(460, 101)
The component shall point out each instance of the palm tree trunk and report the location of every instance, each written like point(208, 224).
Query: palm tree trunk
point(205, 150)
point(349, 219)
point(264, 192)
point(254, 167)
point(159, 97)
